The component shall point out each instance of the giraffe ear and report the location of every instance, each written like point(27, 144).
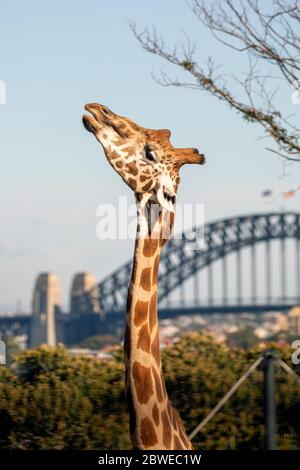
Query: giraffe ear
point(189, 155)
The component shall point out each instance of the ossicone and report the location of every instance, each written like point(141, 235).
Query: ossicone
point(190, 155)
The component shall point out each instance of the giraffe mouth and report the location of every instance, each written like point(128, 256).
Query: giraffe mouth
point(166, 198)
point(88, 123)
point(91, 121)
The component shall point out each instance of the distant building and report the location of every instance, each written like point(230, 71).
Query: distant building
point(83, 283)
point(282, 322)
point(294, 321)
point(86, 352)
point(46, 303)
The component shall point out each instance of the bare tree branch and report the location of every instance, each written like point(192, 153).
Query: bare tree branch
point(269, 34)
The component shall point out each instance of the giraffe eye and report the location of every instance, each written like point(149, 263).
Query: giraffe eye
point(149, 154)
point(106, 110)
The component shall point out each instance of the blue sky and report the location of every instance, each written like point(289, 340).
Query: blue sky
point(55, 57)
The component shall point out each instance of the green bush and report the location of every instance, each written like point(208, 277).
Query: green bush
point(50, 400)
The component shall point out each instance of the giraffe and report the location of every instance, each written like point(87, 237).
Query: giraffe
point(149, 164)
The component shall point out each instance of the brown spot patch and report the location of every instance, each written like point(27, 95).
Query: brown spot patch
point(140, 312)
point(119, 164)
point(143, 178)
point(148, 434)
point(167, 430)
point(129, 149)
point(159, 392)
point(145, 281)
point(144, 339)
point(183, 436)
point(127, 341)
point(134, 126)
point(155, 414)
point(132, 414)
point(150, 246)
point(163, 385)
point(132, 168)
point(155, 349)
point(132, 183)
point(153, 311)
point(168, 223)
point(142, 382)
point(113, 155)
point(129, 301)
point(147, 186)
point(134, 269)
point(177, 443)
point(175, 418)
point(169, 408)
point(155, 270)
point(172, 219)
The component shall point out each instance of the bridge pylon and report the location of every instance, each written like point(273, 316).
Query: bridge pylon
point(45, 304)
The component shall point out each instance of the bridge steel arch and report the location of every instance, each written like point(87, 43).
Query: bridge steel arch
point(183, 257)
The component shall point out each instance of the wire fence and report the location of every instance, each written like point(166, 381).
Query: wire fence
point(238, 383)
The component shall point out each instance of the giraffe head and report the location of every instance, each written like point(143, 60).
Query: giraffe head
point(144, 158)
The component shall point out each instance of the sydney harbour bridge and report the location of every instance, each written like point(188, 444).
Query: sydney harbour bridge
point(249, 263)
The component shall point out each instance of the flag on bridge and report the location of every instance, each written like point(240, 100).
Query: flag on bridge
point(289, 194)
point(285, 194)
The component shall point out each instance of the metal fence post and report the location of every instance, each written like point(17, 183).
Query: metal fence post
point(268, 367)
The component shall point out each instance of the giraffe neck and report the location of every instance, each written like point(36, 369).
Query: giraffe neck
point(154, 424)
